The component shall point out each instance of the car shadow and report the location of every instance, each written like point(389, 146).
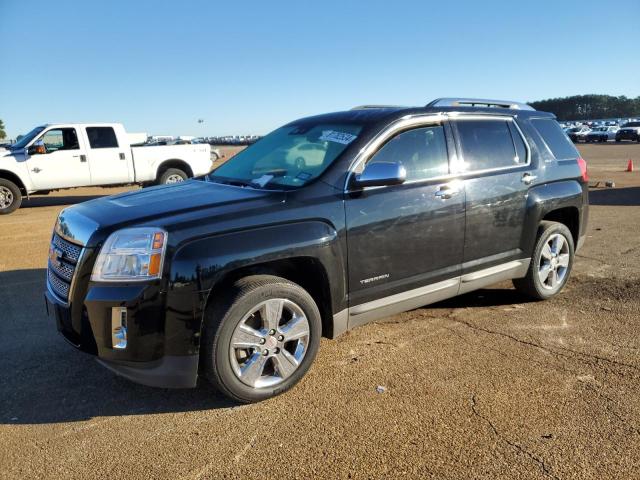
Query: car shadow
point(486, 297)
point(45, 380)
point(56, 201)
point(627, 196)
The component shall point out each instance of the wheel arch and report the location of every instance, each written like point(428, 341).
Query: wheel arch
point(12, 177)
point(173, 163)
point(308, 272)
point(564, 202)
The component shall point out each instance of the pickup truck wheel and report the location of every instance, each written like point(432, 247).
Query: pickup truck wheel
point(261, 339)
point(10, 197)
point(550, 264)
point(173, 175)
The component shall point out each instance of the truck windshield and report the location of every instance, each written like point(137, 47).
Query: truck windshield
point(27, 138)
point(289, 157)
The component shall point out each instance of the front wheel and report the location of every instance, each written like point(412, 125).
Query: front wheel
point(551, 262)
point(10, 197)
point(261, 339)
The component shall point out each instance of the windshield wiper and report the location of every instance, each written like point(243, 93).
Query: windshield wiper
point(231, 181)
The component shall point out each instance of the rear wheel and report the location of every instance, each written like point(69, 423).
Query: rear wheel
point(10, 197)
point(551, 262)
point(173, 175)
point(261, 339)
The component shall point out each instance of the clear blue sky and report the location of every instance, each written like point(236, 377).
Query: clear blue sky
point(247, 67)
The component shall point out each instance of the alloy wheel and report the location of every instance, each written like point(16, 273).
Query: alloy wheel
point(553, 263)
point(6, 197)
point(269, 343)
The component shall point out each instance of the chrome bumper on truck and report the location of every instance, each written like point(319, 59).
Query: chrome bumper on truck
point(123, 325)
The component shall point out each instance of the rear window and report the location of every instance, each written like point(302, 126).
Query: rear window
point(489, 144)
point(557, 141)
point(102, 137)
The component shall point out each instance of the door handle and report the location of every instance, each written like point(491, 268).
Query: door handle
point(83, 158)
point(36, 170)
point(528, 179)
point(122, 156)
point(445, 192)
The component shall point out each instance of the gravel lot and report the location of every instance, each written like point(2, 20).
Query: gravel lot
point(487, 385)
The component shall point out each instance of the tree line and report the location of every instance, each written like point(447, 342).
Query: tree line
point(586, 107)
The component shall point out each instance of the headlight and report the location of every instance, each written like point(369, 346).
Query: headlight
point(131, 254)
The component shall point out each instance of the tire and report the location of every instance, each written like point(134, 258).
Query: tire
point(227, 367)
point(171, 176)
point(532, 284)
point(10, 197)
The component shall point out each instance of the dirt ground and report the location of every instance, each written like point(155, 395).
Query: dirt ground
point(487, 385)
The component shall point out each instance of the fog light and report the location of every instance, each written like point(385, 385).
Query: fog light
point(119, 327)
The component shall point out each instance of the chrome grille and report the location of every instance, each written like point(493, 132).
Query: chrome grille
point(63, 269)
point(59, 287)
point(71, 251)
point(63, 260)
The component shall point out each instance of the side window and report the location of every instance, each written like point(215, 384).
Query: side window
point(557, 141)
point(422, 151)
point(487, 144)
point(102, 137)
point(60, 139)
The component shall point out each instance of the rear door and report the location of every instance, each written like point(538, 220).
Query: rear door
point(107, 158)
point(63, 163)
point(404, 237)
point(495, 162)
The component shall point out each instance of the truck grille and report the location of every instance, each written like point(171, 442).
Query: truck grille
point(63, 260)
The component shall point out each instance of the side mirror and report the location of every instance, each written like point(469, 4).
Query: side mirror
point(381, 174)
point(37, 148)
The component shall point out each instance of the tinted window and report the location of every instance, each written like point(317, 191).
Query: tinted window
point(422, 151)
point(487, 144)
point(60, 139)
point(557, 141)
point(102, 137)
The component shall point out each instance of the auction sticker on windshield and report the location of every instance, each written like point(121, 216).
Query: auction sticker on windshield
point(338, 137)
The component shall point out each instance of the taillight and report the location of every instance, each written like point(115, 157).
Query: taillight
point(583, 169)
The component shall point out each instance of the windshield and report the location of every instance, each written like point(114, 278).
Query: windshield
point(289, 157)
point(27, 138)
point(631, 124)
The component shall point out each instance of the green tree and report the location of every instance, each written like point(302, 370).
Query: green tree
point(3, 134)
point(589, 107)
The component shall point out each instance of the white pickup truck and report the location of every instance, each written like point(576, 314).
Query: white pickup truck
point(57, 156)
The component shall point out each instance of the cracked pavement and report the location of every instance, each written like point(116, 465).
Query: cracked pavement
point(487, 385)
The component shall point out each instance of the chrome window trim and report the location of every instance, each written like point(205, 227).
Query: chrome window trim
point(372, 147)
point(504, 118)
point(455, 158)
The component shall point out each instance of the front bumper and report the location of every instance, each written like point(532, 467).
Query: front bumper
point(149, 357)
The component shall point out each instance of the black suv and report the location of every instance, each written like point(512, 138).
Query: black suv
point(325, 224)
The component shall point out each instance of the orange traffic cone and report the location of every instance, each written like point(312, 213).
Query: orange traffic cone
point(630, 166)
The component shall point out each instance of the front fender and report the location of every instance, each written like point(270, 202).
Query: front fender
point(199, 264)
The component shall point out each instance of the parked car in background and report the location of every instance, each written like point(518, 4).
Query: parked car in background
point(58, 156)
point(235, 276)
point(578, 134)
point(602, 134)
point(629, 131)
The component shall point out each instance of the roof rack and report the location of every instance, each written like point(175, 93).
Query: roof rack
point(367, 107)
point(478, 102)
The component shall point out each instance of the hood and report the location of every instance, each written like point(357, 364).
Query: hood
point(161, 205)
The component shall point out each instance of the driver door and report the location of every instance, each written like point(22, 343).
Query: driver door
point(62, 164)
